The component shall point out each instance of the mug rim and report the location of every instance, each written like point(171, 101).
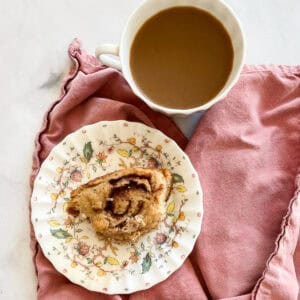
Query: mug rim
point(178, 111)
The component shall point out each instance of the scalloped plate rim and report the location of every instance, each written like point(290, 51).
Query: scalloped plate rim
point(188, 247)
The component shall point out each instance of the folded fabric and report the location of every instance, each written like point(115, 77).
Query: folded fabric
point(246, 150)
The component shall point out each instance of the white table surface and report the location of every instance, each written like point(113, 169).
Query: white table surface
point(34, 37)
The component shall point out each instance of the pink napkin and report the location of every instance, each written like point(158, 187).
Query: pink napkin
point(246, 150)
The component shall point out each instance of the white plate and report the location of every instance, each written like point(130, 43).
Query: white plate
point(71, 243)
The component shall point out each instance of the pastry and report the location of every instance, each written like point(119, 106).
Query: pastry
point(125, 204)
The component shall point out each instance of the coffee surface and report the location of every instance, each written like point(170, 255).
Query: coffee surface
point(181, 57)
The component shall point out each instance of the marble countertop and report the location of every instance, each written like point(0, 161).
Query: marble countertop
point(33, 58)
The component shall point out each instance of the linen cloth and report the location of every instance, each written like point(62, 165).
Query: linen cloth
point(246, 150)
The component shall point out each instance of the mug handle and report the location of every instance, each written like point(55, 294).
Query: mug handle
point(110, 61)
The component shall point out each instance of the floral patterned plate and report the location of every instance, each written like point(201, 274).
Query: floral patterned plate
point(71, 243)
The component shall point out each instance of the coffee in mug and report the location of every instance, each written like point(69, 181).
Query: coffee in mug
point(181, 57)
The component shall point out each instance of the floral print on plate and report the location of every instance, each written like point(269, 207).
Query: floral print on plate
point(71, 244)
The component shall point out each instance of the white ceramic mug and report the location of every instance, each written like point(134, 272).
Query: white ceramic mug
point(151, 7)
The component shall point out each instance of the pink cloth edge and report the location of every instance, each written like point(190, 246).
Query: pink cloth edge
point(63, 90)
point(289, 223)
point(35, 156)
